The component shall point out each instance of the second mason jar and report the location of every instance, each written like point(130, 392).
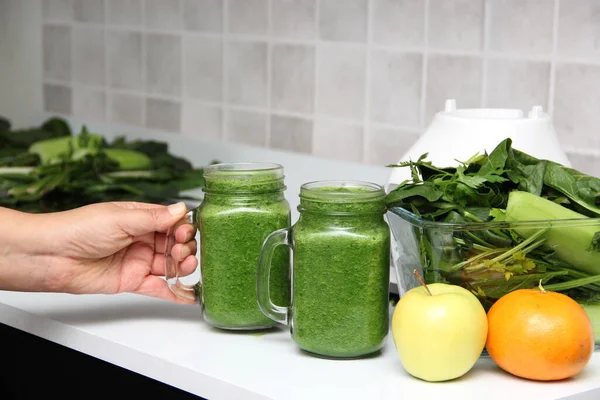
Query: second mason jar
point(243, 203)
point(340, 271)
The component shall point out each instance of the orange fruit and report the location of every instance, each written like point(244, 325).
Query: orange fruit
point(539, 335)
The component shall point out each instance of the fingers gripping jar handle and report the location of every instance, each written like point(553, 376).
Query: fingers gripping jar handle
point(172, 270)
point(263, 293)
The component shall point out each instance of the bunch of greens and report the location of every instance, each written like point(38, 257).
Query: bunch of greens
point(480, 224)
point(47, 168)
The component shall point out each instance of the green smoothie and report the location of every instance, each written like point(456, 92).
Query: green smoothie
point(341, 271)
point(238, 212)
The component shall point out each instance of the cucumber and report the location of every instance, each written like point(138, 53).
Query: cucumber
point(572, 244)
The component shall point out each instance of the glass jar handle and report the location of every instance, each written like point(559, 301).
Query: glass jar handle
point(172, 273)
point(263, 292)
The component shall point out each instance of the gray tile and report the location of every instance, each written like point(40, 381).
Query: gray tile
point(89, 10)
point(293, 77)
point(456, 24)
point(126, 109)
point(163, 115)
point(341, 81)
point(586, 163)
point(163, 64)
point(203, 67)
point(125, 12)
point(88, 55)
point(125, 59)
point(246, 127)
point(163, 14)
point(203, 15)
point(579, 28)
point(58, 10)
point(89, 104)
point(452, 77)
point(343, 20)
point(201, 120)
point(517, 83)
point(293, 19)
point(291, 134)
point(57, 99)
point(395, 87)
point(57, 52)
point(399, 22)
point(387, 145)
point(247, 16)
point(576, 105)
point(338, 140)
point(247, 73)
point(521, 26)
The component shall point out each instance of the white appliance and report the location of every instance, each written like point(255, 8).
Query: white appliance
point(457, 134)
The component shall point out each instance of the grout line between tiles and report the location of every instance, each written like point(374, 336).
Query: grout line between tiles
point(485, 38)
point(225, 85)
point(553, 58)
point(182, 69)
point(367, 91)
point(424, 66)
point(316, 33)
point(269, 73)
point(107, 75)
point(144, 60)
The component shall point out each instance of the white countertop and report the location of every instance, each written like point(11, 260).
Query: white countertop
point(170, 343)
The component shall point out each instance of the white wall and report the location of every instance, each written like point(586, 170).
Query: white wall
point(21, 61)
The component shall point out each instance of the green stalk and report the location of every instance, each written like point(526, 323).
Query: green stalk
point(476, 246)
point(556, 287)
point(479, 256)
point(575, 274)
point(523, 246)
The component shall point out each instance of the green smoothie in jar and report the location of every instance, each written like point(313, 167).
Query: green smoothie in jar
point(340, 271)
point(243, 204)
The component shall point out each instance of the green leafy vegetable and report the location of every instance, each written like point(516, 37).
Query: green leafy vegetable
point(47, 168)
point(480, 240)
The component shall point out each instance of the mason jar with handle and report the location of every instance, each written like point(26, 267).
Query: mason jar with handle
point(340, 270)
point(243, 203)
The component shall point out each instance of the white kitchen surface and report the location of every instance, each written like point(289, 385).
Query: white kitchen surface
point(170, 343)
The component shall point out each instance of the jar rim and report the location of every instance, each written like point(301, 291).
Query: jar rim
point(235, 168)
point(318, 191)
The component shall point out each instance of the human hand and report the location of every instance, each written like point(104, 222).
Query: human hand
point(115, 247)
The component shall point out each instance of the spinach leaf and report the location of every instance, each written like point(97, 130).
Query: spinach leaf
point(582, 189)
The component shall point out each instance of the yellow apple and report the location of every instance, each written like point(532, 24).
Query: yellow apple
point(439, 336)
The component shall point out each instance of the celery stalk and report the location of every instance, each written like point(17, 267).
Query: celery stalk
point(571, 243)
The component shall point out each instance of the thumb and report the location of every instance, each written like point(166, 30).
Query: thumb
point(140, 221)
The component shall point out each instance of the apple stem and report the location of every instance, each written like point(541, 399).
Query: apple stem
point(422, 281)
point(541, 287)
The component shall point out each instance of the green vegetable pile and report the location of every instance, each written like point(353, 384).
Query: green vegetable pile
point(480, 225)
point(47, 168)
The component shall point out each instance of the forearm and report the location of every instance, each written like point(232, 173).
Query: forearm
point(24, 265)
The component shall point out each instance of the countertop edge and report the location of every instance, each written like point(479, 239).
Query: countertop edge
point(123, 356)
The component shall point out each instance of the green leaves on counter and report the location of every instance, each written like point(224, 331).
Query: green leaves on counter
point(47, 168)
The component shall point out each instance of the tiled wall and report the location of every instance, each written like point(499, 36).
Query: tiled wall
point(353, 80)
